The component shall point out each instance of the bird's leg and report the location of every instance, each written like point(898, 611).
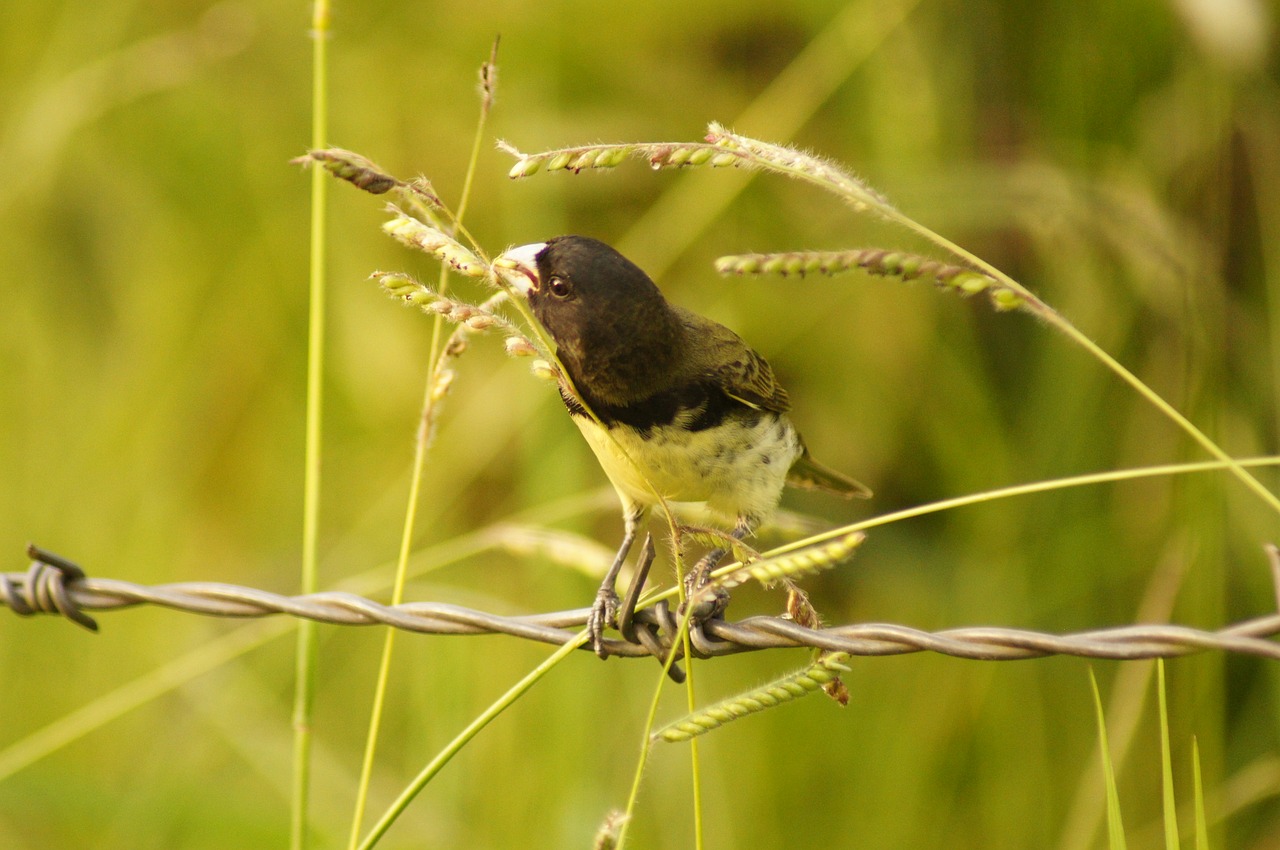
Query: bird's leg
point(626, 614)
point(701, 573)
point(713, 536)
point(605, 608)
point(646, 633)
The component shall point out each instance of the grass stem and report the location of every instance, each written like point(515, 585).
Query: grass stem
point(304, 691)
point(422, 444)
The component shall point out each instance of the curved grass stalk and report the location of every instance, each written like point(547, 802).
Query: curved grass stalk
point(727, 149)
point(464, 737)
point(1046, 486)
point(830, 177)
point(436, 385)
point(1060, 323)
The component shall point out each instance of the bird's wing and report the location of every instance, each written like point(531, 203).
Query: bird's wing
point(721, 355)
point(749, 378)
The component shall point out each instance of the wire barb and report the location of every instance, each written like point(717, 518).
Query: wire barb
point(48, 587)
point(54, 585)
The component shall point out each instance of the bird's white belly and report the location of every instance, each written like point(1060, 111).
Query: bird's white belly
point(737, 468)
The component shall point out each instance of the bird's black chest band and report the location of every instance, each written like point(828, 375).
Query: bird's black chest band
point(695, 406)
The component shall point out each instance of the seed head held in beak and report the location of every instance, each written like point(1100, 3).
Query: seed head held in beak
point(520, 267)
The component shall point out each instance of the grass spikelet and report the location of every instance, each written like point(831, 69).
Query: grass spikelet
point(519, 346)
point(801, 612)
point(544, 371)
point(804, 166)
point(658, 155)
point(353, 168)
point(876, 261)
point(428, 239)
point(441, 384)
point(788, 688)
point(801, 562)
point(474, 318)
point(566, 159)
point(365, 174)
point(610, 831)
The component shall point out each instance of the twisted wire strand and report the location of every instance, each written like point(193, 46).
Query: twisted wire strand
point(54, 585)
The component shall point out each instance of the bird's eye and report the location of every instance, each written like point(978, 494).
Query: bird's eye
point(559, 287)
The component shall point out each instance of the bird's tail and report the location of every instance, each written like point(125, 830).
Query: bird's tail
point(807, 474)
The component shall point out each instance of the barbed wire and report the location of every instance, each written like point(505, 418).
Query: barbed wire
point(54, 585)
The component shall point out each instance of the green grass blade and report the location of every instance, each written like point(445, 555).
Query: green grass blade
point(1166, 764)
point(1202, 825)
point(1115, 825)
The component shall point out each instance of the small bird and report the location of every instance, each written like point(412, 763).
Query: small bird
point(684, 410)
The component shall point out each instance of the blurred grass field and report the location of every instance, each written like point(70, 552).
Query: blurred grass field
point(1121, 159)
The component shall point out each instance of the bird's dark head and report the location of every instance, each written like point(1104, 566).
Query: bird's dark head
point(612, 327)
point(573, 282)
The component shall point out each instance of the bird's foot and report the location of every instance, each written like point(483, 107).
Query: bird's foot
point(604, 614)
point(704, 600)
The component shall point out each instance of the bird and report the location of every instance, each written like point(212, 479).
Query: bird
point(675, 406)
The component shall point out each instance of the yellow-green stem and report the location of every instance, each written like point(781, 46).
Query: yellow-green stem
point(389, 642)
point(1073, 333)
point(863, 199)
point(652, 718)
point(421, 445)
point(691, 695)
point(455, 746)
point(989, 496)
point(304, 689)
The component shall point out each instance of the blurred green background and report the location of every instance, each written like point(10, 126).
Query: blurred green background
point(1122, 159)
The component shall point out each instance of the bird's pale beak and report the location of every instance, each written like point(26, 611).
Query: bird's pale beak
point(520, 267)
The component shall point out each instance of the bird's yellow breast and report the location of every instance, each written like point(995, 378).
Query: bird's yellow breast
point(738, 468)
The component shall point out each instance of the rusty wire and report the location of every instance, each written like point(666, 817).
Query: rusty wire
point(54, 585)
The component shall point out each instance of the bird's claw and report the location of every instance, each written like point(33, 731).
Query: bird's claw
point(604, 614)
point(706, 603)
point(703, 600)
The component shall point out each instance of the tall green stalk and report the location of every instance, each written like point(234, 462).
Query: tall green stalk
point(304, 689)
point(421, 445)
point(464, 737)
